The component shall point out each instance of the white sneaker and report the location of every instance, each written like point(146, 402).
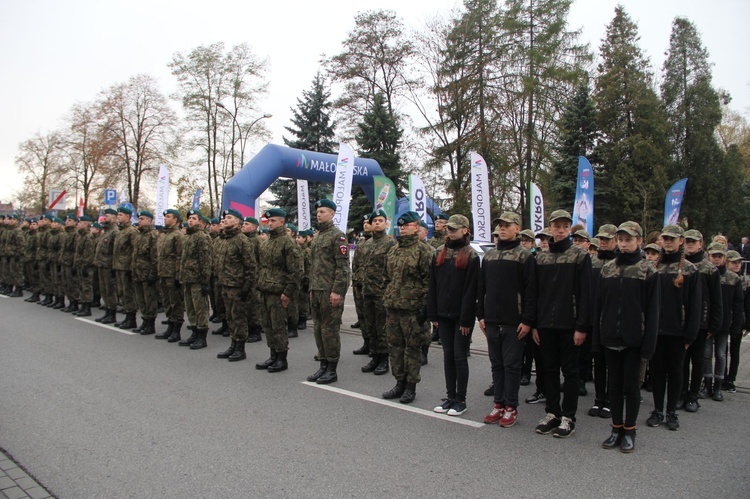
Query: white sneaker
point(444, 407)
point(457, 409)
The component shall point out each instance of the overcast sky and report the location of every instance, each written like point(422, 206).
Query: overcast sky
point(54, 53)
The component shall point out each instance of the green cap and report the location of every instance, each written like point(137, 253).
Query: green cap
point(441, 216)
point(560, 214)
point(124, 209)
point(252, 220)
point(528, 233)
point(233, 212)
point(652, 247)
point(110, 211)
point(607, 231)
point(293, 228)
point(325, 203)
point(594, 242)
point(694, 235)
point(458, 221)
point(212, 221)
point(632, 228)
point(733, 256)
point(174, 212)
point(508, 217)
point(145, 213)
point(275, 212)
point(673, 231)
point(408, 217)
point(85, 218)
point(71, 216)
point(716, 248)
point(377, 213)
point(583, 234)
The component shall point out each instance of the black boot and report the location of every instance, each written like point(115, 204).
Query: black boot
point(355, 325)
point(268, 362)
point(239, 352)
point(382, 366)
point(229, 351)
point(628, 441)
point(706, 389)
point(425, 350)
point(253, 335)
point(614, 439)
point(47, 300)
point(364, 349)
point(112, 318)
point(85, 310)
point(129, 322)
point(16, 293)
point(291, 329)
point(317, 374)
point(105, 316)
point(148, 326)
point(396, 391)
point(189, 341)
point(60, 303)
point(330, 375)
point(166, 334)
point(32, 298)
point(280, 364)
point(141, 327)
point(175, 337)
point(200, 342)
point(717, 395)
point(372, 365)
point(302, 323)
point(72, 307)
point(224, 328)
point(409, 393)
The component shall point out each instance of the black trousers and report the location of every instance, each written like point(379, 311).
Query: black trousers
point(692, 378)
point(455, 361)
point(601, 395)
point(624, 384)
point(734, 357)
point(559, 353)
point(666, 371)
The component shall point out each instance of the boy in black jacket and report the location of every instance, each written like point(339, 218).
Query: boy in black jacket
point(563, 321)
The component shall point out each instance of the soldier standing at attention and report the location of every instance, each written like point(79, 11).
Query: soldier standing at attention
point(218, 311)
point(438, 235)
point(237, 271)
point(169, 251)
point(303, 297)
point(428, 327)
point(66, 258)
point(250, 229)
point(122, 261)
point(194, 273)
point(373, 284)
point(103, 261)
point(83, 264)
point(53, 256)
point(292, 310)
point(16, 248)
point(329, 280)
point(45, 276)
point(145, 272)
point(32, 267)
point(96, 233)
point(407, 273)
point(278, 271)
point(358, 286)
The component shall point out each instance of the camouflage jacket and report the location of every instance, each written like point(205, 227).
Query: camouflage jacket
point(67, 253)
point(4, 231)
point(145, 257)
point(216, 242)
point(122, 252)
point(437, 239)
point(239, 265)
point(195, 261)
point(42, 238)
point(85, 249)
point(733, 303)
point(407, 274)
point(54, 242)
point(329, 260)
point(105, 246)
point(254, 240)
point(279, 266)
point(711, 303)
point(32, 243)
point(169, 250)
point(373, 265)
point(358, 260)
point(680, 307)
point(15, 244)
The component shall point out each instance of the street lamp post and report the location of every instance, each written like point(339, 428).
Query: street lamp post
point(243, 141)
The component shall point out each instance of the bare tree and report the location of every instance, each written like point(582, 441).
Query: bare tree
point(41, 160)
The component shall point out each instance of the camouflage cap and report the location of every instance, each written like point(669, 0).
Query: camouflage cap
point(292, 227)
point(583, 234)
point(607, 231)
point(733, 256)
point(458, 221)
point(652, 247)
point(632, 228)
point(377, 213)
point(673, 231)
point(508, 217)
point(528, 233)
point(544, 233)
point(694, 235)
point(716, 248)
point(560, 214)
point(594, 242)
point(408, 217)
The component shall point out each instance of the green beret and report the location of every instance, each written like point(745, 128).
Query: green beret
point(110, 211)
point(57, 219)
point(325, 203)
point(422, 223)
point(274, 212)
point(146, 213)
point(86, 218)
point(47, 216)
point(293, 228)
point(33, 220)
point(213, 221)
point(377, 213)
point(441, 216)
point(252, 220)
point(233, 213)
point(408, 217)
point(265, 230)
point(124, 209)
point(70, 216)
point(174, 212)
point(194, 212)
point(185, 224)
point(96, 225)
point(205, 218)
point(306, 233)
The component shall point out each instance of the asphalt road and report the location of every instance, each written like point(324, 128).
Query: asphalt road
point(91, 412)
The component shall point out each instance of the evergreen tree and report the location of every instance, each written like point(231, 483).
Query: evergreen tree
point(631, 181)
point(578, 134)
point(313, 130)
point(694, 111)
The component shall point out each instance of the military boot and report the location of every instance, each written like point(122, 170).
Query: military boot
point(129, 322)
point(425, 351)
point(47, 300)
point(317, 374)
point(141, 327)
point(148, 326)
point(111, 318)
point(166, 334)
point(72, 307)
point(60, 303)
point(239, 352)
point(302, 323)
point(223, 329)
point(717, 395)
point(396, 391)
point(189, 341)
point(330, 375)
point(51, 300)
point(253, 335)
point(382, 366)
point(175, 337)
point(85, 310)
point(33, 298)
point(16, 293)
point(409, 393)
point(364, 349)
point(280, 363)
point(269, 361)
point(105, 316)
point(200, 342)
point(291, 329)
point(229, 351)
point(372, 365)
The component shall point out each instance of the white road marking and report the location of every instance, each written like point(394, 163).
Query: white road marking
point(398, 405)
point(106, 326)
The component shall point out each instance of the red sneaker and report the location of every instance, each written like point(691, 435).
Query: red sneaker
point(509, 418)
point(495, 415)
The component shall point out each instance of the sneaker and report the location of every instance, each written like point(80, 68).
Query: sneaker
point(536, 398)
point(672, 422)
point(724, 384)
point(680, 405)
point(490, 391)
point(605, 413)
point(444, 407)
point(731, 388)
point(655, 419)
point(566, 428)
point(459, 407)
point(525, 380)
point(494, 416)
point(547, 424)
point(594, 411)
point(510, 416)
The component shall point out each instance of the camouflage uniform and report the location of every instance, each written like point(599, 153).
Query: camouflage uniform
point(251, 304)
point(30, 263)
point(373, 288)
point(144, 268)
point(292, 309)
point(103, 261)
point(16, 245)
point(217, 301)
point(54, 244)
point(437, 240)
point(237, 270)
point(169, 249)
point(195, 275)
point(358, 270)
point(406, 280)
point(303, 297)
point(45, 275)
point(69, 284)
point(278, 270)
point(83, 263)
point(122, 260)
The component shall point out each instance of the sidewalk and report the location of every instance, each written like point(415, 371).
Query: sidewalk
point(15, 483)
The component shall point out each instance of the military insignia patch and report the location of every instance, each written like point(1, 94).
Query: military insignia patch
point(343, 249)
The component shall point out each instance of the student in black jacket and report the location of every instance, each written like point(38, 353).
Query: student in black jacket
point(563, 321)
point(625, 327)
point(734, 263)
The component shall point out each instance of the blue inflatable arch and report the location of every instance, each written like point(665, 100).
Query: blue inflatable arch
point(274, 161)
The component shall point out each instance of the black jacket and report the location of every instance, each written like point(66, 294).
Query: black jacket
point(680, 307)
point(452, 292)
point(732, 296)
point(711, 302)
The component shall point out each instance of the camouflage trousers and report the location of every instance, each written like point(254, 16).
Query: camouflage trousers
point(196, 305)
point(56, 279)
point(174, 301)
point(252, 309)
point(15, 271)
point(125, 290)
point(359, 298)
point(3, 269)
point(146, 298)
point(303, 302)
point(236, 312)
point(108, 287)
point(326, 325)
point(70, 282)
point(292, 310)
point(85, 284)
point(373, 325)
point(217, 299)
point(273, 320)
point(45, 277)
point(95, 284)
point(405, 339)
point(31, 271)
